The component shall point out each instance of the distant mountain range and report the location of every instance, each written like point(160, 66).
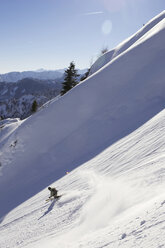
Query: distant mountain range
point(16, 98)
point(39, 74)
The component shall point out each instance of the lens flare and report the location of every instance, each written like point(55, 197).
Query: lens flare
point(107, 27)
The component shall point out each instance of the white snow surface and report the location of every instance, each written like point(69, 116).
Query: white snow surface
point(109, 134)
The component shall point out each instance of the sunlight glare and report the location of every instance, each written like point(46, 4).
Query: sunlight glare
point(114, 5)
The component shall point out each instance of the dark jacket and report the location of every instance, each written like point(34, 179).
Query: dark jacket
point(53, 192)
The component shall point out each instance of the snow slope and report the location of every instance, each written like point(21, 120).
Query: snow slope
point(115, 198)
point(129, 90)
point(7, 126)
point(122, 47)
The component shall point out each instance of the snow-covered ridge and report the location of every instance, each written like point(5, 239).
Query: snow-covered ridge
point(108, 56)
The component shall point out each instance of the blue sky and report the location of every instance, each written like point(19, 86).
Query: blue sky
point(50, 34)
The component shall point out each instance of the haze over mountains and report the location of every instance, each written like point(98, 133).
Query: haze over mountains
point(108, 132)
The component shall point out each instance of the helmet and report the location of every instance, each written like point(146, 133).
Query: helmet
point(49, 188)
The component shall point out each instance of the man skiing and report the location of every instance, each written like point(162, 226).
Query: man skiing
point(53, 192)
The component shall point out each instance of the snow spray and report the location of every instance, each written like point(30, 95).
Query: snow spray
point(109, 198)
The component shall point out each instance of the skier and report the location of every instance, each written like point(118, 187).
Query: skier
point(53, 192)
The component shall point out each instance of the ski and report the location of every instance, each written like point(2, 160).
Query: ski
point(53, 198)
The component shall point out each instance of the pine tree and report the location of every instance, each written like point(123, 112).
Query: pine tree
point(70, 78)
point(34, 106)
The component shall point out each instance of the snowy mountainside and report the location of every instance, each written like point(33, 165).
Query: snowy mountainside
point(7, 126)
point(109, 105)
point(122, 47)
point(108, 133)
point(39, 74)
point(114, 200)
point(16, 98)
